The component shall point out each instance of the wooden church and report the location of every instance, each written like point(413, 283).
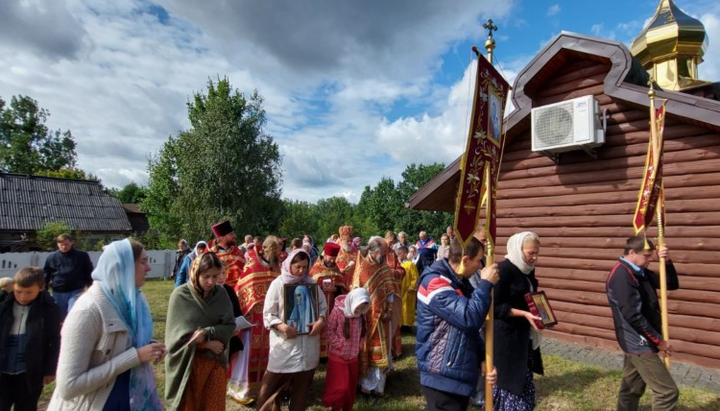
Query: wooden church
point(578, 189)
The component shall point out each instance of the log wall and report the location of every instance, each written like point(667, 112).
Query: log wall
point(582, 210)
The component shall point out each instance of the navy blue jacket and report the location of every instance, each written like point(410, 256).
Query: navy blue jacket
point(449, 315)
point(69, 271)
point(635, 307)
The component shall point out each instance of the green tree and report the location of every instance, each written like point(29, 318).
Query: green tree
point(381, 206)
point(27, 146)
point(48, 233)
point(159, 204)
point(131, 193)
point(298, 218)
point(224, 167)
point(413, 221)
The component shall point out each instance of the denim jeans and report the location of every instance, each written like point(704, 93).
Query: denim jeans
point(66, 300)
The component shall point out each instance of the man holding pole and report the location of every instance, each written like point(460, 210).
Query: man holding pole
point(450, 313)
point(631, 290)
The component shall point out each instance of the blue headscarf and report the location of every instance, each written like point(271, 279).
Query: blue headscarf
point(115, 273)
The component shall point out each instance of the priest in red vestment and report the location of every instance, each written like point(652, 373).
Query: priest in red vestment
point(373, 274)
point(231, 255)
point(398, 273)
point(348, 253)
point(328, 276)
point(247, 367)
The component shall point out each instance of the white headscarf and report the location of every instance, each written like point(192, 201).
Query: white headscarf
point(353, 299)
point(514, 251)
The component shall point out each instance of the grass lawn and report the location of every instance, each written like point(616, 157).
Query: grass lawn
point(567, 386)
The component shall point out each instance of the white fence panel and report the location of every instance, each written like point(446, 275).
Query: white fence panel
point(161, 262)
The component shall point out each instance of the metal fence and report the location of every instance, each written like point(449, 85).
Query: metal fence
point(161, 262)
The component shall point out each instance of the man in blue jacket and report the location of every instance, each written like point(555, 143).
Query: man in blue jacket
point(449, 348)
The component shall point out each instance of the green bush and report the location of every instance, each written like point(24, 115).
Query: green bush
point(48, 233)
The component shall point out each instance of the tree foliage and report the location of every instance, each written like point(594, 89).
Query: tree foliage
point(68, 173)
point(27, 146)
point(131, 193)
point(224, 167)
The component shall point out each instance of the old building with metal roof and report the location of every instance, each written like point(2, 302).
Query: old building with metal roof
point(28, 202)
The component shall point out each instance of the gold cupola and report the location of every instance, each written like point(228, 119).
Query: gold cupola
point(671, 47)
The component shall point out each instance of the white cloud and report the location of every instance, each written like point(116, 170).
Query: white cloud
point(118, 74)
point(553, 10)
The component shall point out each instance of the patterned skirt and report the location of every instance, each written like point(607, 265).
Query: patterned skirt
point(507, 401)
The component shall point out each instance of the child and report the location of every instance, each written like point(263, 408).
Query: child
point(29, 341)
point(346, 329)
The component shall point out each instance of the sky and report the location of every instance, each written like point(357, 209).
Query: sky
point(354, 90)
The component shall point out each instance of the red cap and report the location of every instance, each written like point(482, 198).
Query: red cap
point(331, 249)
point(221, 229)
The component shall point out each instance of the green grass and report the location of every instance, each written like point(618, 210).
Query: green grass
point(566, 386)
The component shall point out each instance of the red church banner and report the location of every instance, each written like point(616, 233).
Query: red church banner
point(481, 161)
point(651, 188)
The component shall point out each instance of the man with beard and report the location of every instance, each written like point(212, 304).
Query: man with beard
point(226, 249)
point(327, 275)
point(248, 366)
point(348, 254)
point(373, 274)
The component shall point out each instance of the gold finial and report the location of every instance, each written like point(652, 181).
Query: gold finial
point(490, 42)
point(651, 83)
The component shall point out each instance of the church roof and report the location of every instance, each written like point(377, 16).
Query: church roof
point(626, 80)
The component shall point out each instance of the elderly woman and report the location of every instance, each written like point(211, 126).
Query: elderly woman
point(199, 325)
point(106, 348)
point(517, 340)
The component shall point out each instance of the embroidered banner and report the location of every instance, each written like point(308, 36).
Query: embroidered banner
point(481, 160)
point(651, 188)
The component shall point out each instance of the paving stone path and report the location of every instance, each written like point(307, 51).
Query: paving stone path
point(684, 374)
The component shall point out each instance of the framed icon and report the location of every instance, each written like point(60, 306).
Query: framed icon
point(301, 306)
point(540, 307)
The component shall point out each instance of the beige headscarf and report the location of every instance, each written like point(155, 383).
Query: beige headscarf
point(514, 250)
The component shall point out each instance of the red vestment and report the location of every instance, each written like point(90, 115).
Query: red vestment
point(398, 273)
point(378, 280)
point(252, 361)
point(233, 259)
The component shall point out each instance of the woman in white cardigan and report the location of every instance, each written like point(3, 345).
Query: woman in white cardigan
point(105, 348)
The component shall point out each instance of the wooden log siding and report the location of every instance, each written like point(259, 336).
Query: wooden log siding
point(582, 210)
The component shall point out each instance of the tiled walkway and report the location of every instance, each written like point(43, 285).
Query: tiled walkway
point(684, 374)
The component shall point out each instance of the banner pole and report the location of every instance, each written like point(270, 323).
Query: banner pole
point(657, 147)
point(490, 252)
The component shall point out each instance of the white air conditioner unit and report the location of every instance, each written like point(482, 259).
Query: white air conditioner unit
point(566, 126)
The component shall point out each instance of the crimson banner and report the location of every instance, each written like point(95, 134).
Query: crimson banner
point(651, 188)
point(481, 160)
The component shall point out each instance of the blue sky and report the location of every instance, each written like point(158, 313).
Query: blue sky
point(354, 90)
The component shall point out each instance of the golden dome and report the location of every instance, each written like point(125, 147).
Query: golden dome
point(671, 47)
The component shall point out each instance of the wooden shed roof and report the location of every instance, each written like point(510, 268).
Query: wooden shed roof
point(28, 202)
point(626, 81)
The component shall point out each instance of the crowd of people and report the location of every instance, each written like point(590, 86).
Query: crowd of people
point(252, 322)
